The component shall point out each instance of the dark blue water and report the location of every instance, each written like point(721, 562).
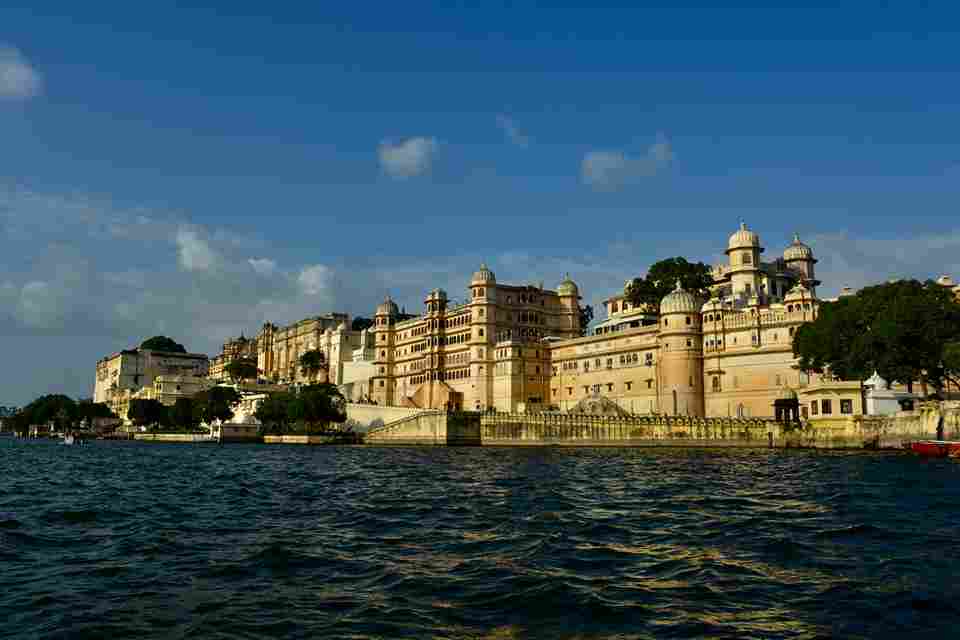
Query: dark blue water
point(118, 540)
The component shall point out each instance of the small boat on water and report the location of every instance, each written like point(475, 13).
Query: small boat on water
point(936, 448)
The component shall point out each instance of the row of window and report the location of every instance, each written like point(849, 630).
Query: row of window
point(597, 388)
point(626, 360)
point(825, 407)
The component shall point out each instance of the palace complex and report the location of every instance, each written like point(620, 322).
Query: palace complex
point(520, 348)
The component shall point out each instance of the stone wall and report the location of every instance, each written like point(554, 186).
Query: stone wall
point(434, 428)
point(585, 430)
point(884, 432)
point(173, 437)
point(363, 417)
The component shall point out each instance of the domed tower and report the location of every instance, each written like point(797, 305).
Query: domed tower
point(383, 341)
point(799, 258)
point(483, 316)
point(569, 296)
point(743, 251)
point(681, 354)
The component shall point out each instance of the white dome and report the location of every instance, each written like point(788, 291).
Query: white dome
point(388, 307)
point(483, 276)
point(568, 287)
point(743, 239)
point(679, 301)
point(797, 250)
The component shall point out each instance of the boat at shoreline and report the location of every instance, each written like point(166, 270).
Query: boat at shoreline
point(936, 448)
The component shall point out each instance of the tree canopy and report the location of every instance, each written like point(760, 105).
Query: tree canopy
point(56, 408)
point(242, 369)
point(311, 410)
point(586, 317)
point(661, 279)
point(88, 411)
point(184, 415)
point(902, 330)
point(311, 362)
point(360, 323)
point(163, 343)
point(215, 403)
point(147, 412)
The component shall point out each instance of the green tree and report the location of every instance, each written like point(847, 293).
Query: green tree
point(360, 323)
point(183, 414)
point(242, 369)
point(900, 329)
point(215, 403)
point(88, 411)
point(312, 362)
point(163, 343)
point(661, 279)
point(273, 413)
point(951, 362)
point(56, 408)
point(147, 412)
point(586, 317)
point(319, 405)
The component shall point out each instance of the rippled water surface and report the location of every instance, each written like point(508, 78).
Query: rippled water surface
point(136, 540)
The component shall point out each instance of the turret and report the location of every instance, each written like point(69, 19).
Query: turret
point(800, 260)
point(743, 251)
point(384, 329)
point(569, 296)
point(680, 372)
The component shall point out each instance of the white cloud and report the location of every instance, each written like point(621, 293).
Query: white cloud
point(611, 169)
point(513, 133)
point(194, 251)
point(18, 79)
point(409, 158)
point(315, 279)
point(263, 266)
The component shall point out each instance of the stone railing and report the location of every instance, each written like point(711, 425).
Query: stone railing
point(579, 429)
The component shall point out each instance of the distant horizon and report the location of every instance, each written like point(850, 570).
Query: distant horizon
point(196, 172)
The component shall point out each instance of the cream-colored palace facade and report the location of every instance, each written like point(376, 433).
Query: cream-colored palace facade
point(518, 348)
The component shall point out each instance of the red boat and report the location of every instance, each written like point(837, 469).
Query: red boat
point(936, 448)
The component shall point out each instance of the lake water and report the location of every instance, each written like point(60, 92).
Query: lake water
point(116, 540)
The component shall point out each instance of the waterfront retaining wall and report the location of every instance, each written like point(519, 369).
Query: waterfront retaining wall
point(563, 429)
point(364, 417)
point(173, 437)
point(429, 428)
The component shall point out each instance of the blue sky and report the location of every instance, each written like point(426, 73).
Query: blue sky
point(198, 172)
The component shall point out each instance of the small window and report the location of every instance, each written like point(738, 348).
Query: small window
point(649, 384)
point(627, 385)
point(826, 407)
point(846, 407)
point(814, 406)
